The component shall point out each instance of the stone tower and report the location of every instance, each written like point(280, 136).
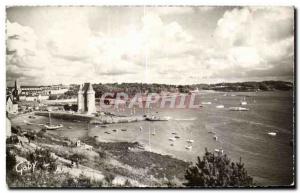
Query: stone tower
point(80, 100)
point(90, 94)
point(86, 99)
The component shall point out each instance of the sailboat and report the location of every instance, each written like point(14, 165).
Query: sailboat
point(188, 147)
point(153, 133)
point(52, 127)
point(215, 138)
point(149, 139)
point(172, 139)
point(244, 102)
point(190, 141)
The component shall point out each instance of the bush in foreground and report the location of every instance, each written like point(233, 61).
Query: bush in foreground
point(217, 170)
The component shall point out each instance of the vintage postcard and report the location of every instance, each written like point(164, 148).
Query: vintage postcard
point(150, 96)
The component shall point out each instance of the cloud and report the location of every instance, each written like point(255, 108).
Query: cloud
point(171, 10)
point(256, 39)
point(245, 43)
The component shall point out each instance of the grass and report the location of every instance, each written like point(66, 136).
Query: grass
point(113, 159)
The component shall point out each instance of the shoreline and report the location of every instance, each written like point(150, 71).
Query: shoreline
point(122, 160)
point(92, 119)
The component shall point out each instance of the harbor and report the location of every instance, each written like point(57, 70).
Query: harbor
point(188, 132)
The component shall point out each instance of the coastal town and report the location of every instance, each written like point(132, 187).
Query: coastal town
point(36, 114)
point(150, 97)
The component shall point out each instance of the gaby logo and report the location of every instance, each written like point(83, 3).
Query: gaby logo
point(25, 166)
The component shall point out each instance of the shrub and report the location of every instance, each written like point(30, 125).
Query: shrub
point(76, 158)
point(43, 159)
point(16, 130)
point(217, 171)
point(10, 161)
point(12, 140)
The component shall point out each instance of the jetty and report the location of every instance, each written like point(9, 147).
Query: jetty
point(104, 119)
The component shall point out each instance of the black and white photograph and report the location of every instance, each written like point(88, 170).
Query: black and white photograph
point(166, 96)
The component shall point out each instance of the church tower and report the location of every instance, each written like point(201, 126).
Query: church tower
point(90, 94)
point(80, 100)
point(17, 91)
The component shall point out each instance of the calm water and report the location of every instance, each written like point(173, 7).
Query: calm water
point(269, 159)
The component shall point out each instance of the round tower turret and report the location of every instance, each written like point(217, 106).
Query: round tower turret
point(80, 100)
point(91, 100)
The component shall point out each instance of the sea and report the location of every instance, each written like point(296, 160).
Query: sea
point(269, 159)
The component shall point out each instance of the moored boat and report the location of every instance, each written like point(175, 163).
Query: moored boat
point(53, 127)
point(238, 109)
point(272, 133)
point(190, 141)
point(172, 139)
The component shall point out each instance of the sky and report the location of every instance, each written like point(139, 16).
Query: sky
point(170, 45)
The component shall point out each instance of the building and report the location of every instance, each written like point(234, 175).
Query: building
point(35, 93)
point(86, 99)
point(16, 91)
point(44, 90)
point(8, 127)
point(11, 105)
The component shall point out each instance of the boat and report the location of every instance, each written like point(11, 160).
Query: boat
point(172, 144)
point(107, 132)
point(114, 130)
point(188, 147)
point(238, 109)
point(220, 106)
point(174, 133)
point(172, 139)
point(141, 128)
point(221, 151)
point(155, 118)
point(206, 103)
point(53, 127)
point(211, 132)
point(190, 141)
point(70, 127)
point(50, 126)
point(177, 137)
point(31, 117)
point(272, 133)
point(123, 129)
point(244, 102)
point(153, 133)
point(215, 138)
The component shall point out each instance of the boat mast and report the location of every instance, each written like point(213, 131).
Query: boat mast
point(49, 118)
point(149, 138)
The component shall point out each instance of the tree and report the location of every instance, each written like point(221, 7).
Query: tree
point(217, 170)
point(43, 160)
point(10, 161)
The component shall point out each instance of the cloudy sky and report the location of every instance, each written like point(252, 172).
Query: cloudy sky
point(173, 45)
